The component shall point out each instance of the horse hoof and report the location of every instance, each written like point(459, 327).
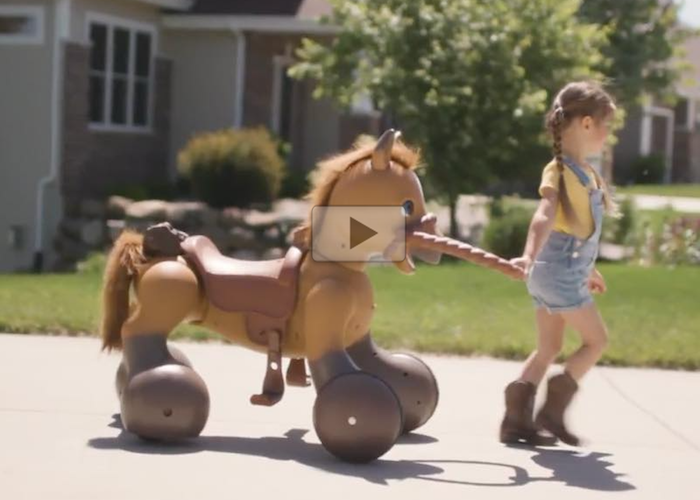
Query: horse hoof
point(166, 403)
point(357, 417)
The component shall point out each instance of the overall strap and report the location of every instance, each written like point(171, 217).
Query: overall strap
point(576, 169)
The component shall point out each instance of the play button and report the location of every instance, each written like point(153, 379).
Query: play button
point(359, 233)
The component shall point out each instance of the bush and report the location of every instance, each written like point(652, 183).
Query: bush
point(507, 231)
point(648, 169)
point(622, 230)
point(94, 263)
point(295, 184)
point(233, 167)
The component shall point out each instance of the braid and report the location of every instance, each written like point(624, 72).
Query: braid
point(556, 125)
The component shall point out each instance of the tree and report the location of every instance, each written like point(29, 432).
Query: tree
point(468, 80)
point(644, 42)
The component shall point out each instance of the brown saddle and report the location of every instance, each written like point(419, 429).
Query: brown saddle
point(266, 287)
point(265, 291)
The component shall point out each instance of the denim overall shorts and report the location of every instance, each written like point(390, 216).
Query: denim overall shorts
point(558, 278)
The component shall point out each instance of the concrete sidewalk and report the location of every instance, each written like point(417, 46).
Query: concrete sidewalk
point(60, 436)
point(678, 203)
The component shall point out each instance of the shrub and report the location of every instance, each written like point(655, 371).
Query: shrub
point(507, 231)
point(233, 167)
point(295, 184)
point(94, 263)
point(623, 229)
point(648, 169)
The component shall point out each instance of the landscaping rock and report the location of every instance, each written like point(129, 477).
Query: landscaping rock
point(231, 217)
point(261, 220)
point(116, 207)
point(71, 227)
point(93, 209)
point(245, 255)
point(241, 238)
point(154, 210)
point(273, 253)
point(191, 214)
point(92, 233)
point(114, 228)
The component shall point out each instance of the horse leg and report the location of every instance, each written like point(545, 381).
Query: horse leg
point(122, 374)
point(162, 397)
point(357, 416)
point(409, 377)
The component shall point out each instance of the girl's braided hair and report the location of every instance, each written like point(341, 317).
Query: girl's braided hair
point(577, 100)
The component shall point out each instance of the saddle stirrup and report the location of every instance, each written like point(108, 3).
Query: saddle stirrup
point(273, 385)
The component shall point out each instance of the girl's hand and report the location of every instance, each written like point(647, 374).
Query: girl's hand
point(524, 263)
point(596, 282)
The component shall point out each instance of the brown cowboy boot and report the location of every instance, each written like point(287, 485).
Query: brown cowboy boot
point(517, 423)
point(560, 392)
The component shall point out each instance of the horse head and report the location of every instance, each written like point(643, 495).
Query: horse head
point(383, 174)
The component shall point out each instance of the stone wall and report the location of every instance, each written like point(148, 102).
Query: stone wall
point(245, 234)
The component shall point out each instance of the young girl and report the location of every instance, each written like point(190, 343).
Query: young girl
point(559, 260)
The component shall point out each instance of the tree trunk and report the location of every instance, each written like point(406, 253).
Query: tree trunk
point(454, 228)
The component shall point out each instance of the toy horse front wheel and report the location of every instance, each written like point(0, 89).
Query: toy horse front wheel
point(357, 417)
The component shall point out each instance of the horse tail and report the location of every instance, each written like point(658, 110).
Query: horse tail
point(122, 265)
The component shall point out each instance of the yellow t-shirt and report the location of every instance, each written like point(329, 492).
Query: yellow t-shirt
point(578, 195)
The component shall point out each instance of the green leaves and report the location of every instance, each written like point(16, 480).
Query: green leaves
point(468, 80)
point(644, 42)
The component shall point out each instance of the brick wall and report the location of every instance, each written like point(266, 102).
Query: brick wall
point(95, 161)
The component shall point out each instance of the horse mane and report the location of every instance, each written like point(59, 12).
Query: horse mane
point(329, 171)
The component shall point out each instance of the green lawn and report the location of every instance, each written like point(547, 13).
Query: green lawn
point(686, 190)
point(653, 314)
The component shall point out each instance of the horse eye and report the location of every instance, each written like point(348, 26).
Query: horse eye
point(408, 207)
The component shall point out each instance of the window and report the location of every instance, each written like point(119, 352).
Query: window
point(21, 25)
point(282, 98)
point(121, 75)
point(682, 113)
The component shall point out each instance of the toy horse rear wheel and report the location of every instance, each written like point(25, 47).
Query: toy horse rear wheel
point(357, 417)
point(166, 403)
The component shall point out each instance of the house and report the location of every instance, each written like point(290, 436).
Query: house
point(673, 133)
point(97, 94)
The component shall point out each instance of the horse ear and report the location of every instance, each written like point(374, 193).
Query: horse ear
point(381, 156)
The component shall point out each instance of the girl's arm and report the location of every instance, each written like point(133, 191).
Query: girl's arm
point(540, 228)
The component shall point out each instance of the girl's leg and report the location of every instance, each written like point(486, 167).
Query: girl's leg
point(562, 387)
point(588, 322)
point(550, 328)
point(517, 424)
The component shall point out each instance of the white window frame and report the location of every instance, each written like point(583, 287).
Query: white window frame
point(280, 64)
point(650, 111)
point(34, 11)
point(132, 26)
point(689, 116)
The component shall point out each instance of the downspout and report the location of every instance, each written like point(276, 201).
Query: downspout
point(240, 79)
point(61, 31)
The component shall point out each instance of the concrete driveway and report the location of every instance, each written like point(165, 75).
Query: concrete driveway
point(60, 436)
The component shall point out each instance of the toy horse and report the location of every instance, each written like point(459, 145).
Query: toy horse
point(294, 307)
